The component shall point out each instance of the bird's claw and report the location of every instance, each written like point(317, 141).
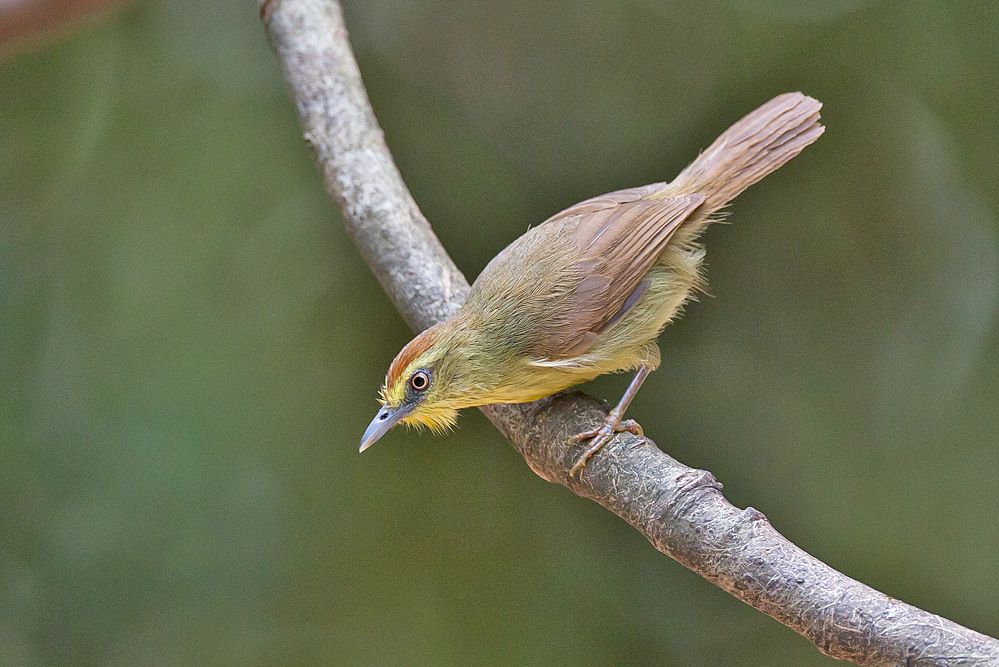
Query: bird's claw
point(600, 436)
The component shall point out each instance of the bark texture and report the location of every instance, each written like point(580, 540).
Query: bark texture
point(680, 510)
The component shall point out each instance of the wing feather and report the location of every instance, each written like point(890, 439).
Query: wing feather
point(619, 236)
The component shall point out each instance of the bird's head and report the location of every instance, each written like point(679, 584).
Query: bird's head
point(421, 387)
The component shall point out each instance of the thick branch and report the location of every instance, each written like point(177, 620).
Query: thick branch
point(680, 510)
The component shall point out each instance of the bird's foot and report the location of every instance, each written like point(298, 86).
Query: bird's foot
point(600, 436)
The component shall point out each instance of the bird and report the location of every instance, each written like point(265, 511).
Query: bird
point(588, 291)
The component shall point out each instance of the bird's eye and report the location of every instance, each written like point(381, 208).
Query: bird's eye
point(419, 380)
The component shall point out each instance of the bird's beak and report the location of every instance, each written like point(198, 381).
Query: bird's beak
point(386, 418)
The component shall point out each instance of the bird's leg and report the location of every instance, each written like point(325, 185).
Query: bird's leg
point(613, 425)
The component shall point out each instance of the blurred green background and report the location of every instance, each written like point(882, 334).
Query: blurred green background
point(190, 346)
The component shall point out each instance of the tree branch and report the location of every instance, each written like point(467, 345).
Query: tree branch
point(680, 510)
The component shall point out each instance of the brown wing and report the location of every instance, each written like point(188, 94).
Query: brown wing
point(609, 200)
point(619, 236)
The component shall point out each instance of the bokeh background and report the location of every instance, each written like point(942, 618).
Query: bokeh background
point(190, 346)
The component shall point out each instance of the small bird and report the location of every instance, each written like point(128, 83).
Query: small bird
point(588, 291)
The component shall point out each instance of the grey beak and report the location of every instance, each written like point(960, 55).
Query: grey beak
point(386, 418)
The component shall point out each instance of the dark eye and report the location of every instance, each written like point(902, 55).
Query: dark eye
point(419, 380)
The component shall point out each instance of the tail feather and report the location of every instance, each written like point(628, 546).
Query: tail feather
point(754, 147)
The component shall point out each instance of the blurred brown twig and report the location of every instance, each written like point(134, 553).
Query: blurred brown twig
point(22, 21)
point(679, 509)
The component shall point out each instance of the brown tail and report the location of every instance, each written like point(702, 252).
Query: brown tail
point(749, 150)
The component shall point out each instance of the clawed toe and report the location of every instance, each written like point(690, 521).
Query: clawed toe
point(632, 427)
point(612, 424)
point(586, 435)
point(600, 437)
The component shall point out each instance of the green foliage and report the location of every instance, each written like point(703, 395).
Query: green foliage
point(191, 347)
